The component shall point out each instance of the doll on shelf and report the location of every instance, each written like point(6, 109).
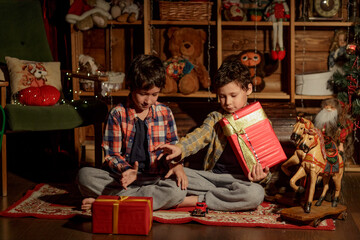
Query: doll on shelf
point(337, 56)
point(277, 12)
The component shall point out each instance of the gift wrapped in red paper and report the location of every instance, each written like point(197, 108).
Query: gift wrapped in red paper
point(122, 215)
point(252, 138)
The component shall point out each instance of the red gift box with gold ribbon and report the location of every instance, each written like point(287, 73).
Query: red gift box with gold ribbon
point(122, 215)
point(252, 137)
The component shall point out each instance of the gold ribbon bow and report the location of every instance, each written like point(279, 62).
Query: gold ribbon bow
point(116, 209)
point(238, 127)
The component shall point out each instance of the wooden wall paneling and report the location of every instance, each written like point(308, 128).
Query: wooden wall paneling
point(117, 44)
point(239, 40)
point(313, 62)
point(313, 40)
point(94, 45)
point(312, 51)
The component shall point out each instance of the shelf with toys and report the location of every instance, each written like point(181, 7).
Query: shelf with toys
point(306, 43)
point(252, 39)
point(111, 55)
point(223, 37)
point(311, 36)
point(198, 94)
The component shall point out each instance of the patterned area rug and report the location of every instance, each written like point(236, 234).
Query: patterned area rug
point(61, 202)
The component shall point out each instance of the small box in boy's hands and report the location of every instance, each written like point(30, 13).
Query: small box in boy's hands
point(122, 215)
point(252, 138)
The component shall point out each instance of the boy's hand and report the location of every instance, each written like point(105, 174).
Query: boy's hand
point(172, 151)
point(129, 176)
point(182, 180)
point(257, 173)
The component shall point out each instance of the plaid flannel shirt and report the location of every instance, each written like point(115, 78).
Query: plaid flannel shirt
point(120, 132)
point(208, 134)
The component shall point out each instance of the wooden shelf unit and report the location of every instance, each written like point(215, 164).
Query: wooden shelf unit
point(284, 77)
point(295, 27)
point(221, 30)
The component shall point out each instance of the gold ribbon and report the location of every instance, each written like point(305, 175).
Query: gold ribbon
point(116, 205)
point(238, 127)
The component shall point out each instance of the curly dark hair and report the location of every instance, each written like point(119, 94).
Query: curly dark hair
point(232, 70)
point(145, 72)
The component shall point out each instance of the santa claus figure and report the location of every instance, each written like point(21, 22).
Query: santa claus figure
point(335, 123)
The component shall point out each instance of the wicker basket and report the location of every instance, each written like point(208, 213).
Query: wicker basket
point(186, 11)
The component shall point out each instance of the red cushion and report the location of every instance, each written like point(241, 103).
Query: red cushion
point(39, 96)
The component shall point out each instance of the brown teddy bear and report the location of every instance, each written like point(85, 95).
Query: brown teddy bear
point(184, 71)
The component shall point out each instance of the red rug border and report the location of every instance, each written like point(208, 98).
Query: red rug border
point(330, 223)
point(6, 213)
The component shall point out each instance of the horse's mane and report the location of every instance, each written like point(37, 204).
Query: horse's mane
point(308, 124)
point(321, 140)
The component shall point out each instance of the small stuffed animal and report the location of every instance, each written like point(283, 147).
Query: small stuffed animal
point(87, 64)
point(233, 10)
point(258, 66)
point(125, 11)
point(184, 71)
point(84, 14)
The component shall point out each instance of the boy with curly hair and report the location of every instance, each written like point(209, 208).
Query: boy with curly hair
point(221, 183)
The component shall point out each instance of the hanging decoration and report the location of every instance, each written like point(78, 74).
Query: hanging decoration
point(277, 12)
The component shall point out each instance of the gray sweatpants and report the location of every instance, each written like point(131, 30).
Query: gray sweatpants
point(94, 182)
point(224, 192)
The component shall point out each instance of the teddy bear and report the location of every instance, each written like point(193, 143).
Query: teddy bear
point(84, 14)
point(184, 71)
point(125, 11)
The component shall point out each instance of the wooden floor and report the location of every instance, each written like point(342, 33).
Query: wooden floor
point(24, 176)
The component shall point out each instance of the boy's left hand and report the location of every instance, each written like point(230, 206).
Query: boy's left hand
point(258, 173)
point(182, 180)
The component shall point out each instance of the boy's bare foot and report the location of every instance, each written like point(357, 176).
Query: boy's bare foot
point(87, 203)
point(189, 201)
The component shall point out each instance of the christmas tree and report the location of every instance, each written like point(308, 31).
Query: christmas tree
point(346, 83)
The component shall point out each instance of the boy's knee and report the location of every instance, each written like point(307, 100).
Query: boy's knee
point(256, 194)
point(84, 176)
point(178, 194)
point(175, 192)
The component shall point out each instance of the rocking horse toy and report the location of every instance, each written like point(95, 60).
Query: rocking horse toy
point(320, 158)
point(299, 128)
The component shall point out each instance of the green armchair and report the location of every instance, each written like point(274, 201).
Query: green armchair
point(23, 37)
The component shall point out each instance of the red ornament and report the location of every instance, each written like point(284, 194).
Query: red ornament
point(39, 96)
point(351, 48)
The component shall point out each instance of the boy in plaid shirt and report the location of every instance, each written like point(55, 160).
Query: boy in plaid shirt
point(133, 130)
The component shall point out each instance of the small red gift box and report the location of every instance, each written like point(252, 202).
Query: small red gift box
point(252, 138)
point(122, 215)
